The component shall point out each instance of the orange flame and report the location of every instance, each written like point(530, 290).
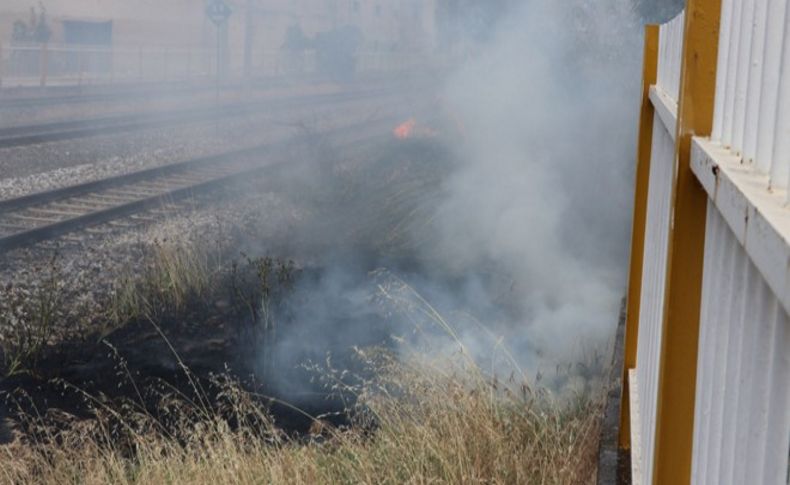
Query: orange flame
point(405, 130)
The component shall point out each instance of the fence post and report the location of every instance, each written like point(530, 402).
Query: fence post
point(167, 63)
point(644, 152)
point(678, 356)
point(81, 65)
point(43, 64)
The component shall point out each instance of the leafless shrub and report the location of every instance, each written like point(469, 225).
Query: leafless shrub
point(34, 314)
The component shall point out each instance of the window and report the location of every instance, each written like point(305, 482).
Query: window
point(87, 33)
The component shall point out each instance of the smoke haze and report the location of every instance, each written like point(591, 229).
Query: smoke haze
point(543, 185)
point(528, 244)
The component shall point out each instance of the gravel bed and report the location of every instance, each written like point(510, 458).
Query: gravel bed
point(253, 218)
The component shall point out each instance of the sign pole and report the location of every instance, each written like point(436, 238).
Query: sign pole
point(218, 60)
point(218, 12)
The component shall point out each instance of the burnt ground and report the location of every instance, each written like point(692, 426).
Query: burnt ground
point(143, 362)
point(358, 214)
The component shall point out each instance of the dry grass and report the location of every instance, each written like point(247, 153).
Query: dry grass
point(418, 417)
point(173, 276)
point(420, 420)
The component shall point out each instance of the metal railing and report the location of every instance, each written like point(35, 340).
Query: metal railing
point(53, 65)
point(47, 64)
point(707, 395)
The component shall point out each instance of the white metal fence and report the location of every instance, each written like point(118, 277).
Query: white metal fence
point(670, 49)
point(741, 429)
point(653, 284)
point(651, 315)
point(44, 65)
point(38, 64)
point(742, 418)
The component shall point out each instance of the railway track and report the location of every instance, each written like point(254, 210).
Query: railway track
point(65, 130)
point(34, 218)
point(33, 97)
point(25, 97)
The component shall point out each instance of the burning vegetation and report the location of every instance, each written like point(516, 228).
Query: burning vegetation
point(413, 307)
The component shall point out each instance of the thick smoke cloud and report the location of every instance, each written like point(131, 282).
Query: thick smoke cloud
point(530, 238)
point(548, 110)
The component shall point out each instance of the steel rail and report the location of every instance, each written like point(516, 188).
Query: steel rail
point(65, 130)
point(70, 196)
point(69, 95)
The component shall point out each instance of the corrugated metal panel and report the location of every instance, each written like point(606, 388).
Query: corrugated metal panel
point(725, 34)
point(752, 115)
point(670, 50)
point(742, 423)
point(742, 417)
point(653, 283)
point(780, 167)
point(755, 75)
point(769, 86)
point(656, 239)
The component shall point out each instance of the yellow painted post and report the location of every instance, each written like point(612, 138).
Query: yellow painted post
point(644, 152)
point(678, 358)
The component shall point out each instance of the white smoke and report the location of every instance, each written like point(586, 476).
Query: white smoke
point(548, 108)
point(529, 244)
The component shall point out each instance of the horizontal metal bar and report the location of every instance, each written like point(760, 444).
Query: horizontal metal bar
point(666, 108)
point(757, 215)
